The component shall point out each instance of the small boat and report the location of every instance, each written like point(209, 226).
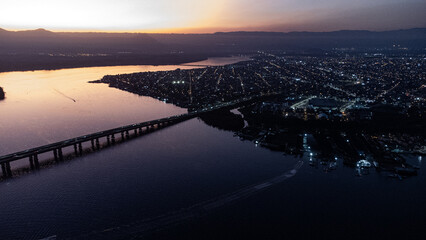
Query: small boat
point(376, 164)
point(363, 164)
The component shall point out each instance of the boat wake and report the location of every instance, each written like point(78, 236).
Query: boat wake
point(139, 228)
point(63, 94)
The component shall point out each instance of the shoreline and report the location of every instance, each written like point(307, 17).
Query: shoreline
point(23, 69)
point(31, 63)
point(125, 64)
point(91, 66)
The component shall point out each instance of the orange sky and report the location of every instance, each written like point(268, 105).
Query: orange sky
point(192, 16)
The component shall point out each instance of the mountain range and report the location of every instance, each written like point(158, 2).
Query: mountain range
point(43, 49)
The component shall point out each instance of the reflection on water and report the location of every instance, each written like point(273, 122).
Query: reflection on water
point(48, 106)
point(219, 61)
point(147, 177)
point(178, 172)
point(328, 149)
point(191, 170)
point(142, 227)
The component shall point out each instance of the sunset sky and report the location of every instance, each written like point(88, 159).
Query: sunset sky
point(211, 15)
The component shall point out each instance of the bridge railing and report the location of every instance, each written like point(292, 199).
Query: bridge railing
point(85, 138)
point(56, 147)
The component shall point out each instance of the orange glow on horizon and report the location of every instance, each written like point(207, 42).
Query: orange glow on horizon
point(209, 16)
point(163, 16)
point(183, 30)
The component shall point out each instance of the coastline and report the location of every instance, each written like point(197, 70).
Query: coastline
point(58, 63)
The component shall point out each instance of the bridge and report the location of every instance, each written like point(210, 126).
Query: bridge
point(110, 135)
point(302, 103)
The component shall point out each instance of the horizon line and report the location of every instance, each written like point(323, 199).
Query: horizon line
point(194, 33)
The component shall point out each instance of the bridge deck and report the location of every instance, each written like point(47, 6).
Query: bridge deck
point(88, 137)
point(6, 159)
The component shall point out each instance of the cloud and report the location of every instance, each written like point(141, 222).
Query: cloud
point(212, 15)
point(383, 17)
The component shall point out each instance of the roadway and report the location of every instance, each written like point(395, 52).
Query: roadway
point(120, 130)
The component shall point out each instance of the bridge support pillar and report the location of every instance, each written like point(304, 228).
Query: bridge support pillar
point(3, 169)
point(93, 144)
point(136, 132)
point(7, 172)
point(140, 131)
point(113, 138)
point(127, 135)
point(55, 154)
point(75, 149)
point(97, 143)
point(32, 163)
point(36, 163)
point(122, 135)
point(61, 156)
point(80, 149)
point(8, 169)
point(109, 142)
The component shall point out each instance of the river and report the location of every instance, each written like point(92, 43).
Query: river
point(218, 186)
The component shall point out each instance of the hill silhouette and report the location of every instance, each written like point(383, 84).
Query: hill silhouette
point(43, 49)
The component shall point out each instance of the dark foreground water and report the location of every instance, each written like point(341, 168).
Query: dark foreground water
point(158, 175)
point(188, 181)
point(167, 170)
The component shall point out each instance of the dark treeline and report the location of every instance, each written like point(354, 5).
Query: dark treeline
point(380, 123)
point(223, 120)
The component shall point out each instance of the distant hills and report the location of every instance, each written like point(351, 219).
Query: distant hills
point(45, 41)
point(41, 40)
point(342, 33)
point(43, 49)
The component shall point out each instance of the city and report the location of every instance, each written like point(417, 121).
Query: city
point(344, 102)
point(355, 82)
point(214, 119)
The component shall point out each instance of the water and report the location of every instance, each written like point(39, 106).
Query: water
point(169, 175)
point(43, 107)
point(219, 61)
point(152, 175)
